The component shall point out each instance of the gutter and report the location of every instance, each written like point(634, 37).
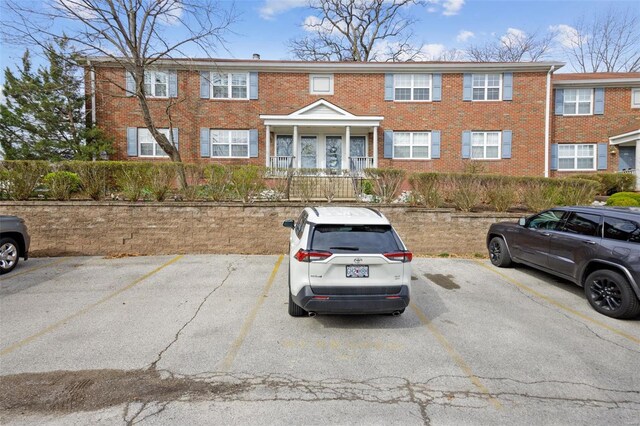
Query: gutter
point(547, 122)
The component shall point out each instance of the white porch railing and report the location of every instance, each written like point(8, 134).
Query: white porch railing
point(358, 164)
point(280, 164)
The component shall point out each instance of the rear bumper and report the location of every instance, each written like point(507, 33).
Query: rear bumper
point(352, 303)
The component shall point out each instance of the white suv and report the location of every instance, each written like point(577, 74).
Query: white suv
point(346, 260)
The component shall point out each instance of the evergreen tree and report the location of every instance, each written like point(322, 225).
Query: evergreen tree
point(44, 117)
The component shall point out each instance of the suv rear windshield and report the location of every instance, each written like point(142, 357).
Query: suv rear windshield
point(354, 239)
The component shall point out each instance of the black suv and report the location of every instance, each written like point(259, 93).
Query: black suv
point(597, 248)
point(14, 242)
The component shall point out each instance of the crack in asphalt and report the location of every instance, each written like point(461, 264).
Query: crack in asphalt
point(230, 269)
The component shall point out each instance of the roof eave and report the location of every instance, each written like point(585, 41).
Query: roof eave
point(600, 82)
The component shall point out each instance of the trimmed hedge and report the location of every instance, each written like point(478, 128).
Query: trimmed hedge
point(611, 183)
point(624, 199)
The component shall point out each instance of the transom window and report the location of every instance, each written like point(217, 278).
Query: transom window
point(412, 145)
point(487, 87)
point(577, 101)
point(230, 85)
point(577, 157)
point(412, 87)
point(230, 143)
point(156, 84)
point(148, 147)
point(485, 145)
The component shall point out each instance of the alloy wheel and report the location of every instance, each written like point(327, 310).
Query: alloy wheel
point(606, 294)
point(8, 255)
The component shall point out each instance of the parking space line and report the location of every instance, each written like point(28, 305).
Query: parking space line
point(558, 304)
point(454, 354)
point(84, 310)
point(248, 322)
point(17, 274)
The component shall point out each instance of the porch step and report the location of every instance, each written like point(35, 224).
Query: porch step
point(322, 187)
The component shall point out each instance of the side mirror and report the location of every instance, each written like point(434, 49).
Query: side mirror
point(522, 221)
point(289, 223)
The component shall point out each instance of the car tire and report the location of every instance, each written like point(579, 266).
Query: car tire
point(609, 293)
point(9, 255)
point(294, 309)
point(498, 253)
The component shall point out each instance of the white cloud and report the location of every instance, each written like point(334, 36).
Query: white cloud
point(512, 35)
point(452, 7)
point(431, 52)
point(464, 35)
point(73, 9)
point(173, 15)
point(567, 36)
point(311, 24)
point(432, 9)
point(272, 8)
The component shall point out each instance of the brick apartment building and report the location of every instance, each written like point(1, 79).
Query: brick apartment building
point(509, 118)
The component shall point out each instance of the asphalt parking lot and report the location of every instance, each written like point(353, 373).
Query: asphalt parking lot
point(206, 339)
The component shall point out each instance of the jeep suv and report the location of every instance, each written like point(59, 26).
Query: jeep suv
point(346, 260)
point(14, 242)
point(597, 248)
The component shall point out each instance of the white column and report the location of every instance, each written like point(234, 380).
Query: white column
point(296, 161)
point(347, 148)
point(375, 146)
point(267, 151)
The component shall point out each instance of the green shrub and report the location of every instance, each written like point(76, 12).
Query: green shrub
point(386, 182)
point(133, 179)
point(96, 177)
point(162, 178)
point(501, 193)
point(466, 191)
point(22, 177)
point(539, 194)
point(575, 192)
point(195, 177)
point(247, 181)
point(62, 184)
point(611, 183)
point(218, 182)
point(425, 189)
point(367, 187)
point(623, 202)
point(622, 199)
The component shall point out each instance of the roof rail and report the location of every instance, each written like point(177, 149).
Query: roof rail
point(315, 211)
point(375, 211)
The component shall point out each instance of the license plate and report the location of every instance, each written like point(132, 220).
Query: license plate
point(357, 271)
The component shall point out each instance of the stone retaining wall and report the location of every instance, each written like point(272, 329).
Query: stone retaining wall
point(119, 228)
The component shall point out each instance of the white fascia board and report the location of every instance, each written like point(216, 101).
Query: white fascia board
point(273, 121)
point(599, 82)
point(626, 137)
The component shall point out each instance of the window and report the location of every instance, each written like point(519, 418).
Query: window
point(412, 87)
point(485, 145)
point(321, 84)
point(230, 85)
point(414, 145)
point(582, 224)
point(156, 84)
point(230, 143)
point(148, 147)
point(551, 220)
point(635, 98)
point(577, 101)
point(487, 87)
point(300, 224)
point(621, 230)
point(354, 239)
point(576, 157)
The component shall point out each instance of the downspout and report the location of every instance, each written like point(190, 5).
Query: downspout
point(92, 73)
point(547, 122)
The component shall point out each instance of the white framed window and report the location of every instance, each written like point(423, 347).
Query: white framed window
point(147, 145)
point(635, 97)
point(487, 87)
point(485, 145)
point(578, 102)
point(412, 145)
point(230, 143)
point(412, 87)
point(576, 157)
point(232, 85)
point(321, 84)
point(156, 84)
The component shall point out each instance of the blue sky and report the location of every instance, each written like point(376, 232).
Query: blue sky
point(265, 26)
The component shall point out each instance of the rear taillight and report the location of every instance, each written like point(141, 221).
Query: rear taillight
point(311, 255)
point(402, 256)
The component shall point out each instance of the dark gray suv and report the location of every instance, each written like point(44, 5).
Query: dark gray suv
point(597, 248)
point(14, 242)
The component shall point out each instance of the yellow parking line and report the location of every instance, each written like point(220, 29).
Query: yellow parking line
point(560, 305)
point(83, 311)
point(248, 322)
point(17, 274)
point(454, 355)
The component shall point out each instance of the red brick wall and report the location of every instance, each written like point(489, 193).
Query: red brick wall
point(360, 94)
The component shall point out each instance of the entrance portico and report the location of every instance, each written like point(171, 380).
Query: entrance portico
point(628, 143)
point(321, 136)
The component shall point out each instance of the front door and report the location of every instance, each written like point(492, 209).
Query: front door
point(309, 152)
point(334, 152)
point(627, 158)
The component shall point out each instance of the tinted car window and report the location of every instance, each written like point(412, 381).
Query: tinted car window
point(551, 219)
point(354, 239)
point(621, 229)
point(582, 224)
point(300, 223)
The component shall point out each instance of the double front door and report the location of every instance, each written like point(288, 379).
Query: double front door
point(321, 151)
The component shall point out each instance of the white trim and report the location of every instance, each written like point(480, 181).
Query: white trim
point(229, 74)
point(598, 82)
point(486, 87)
point(155, 144)
point(547, 123)
point(152, 74)
point(412, 87)
point(411, 145)
point(625, 137)
point(577, 103)
point(484, 145)
point(635, 90)
point(575, 157)
point(342, 118)
point(229, 144)
point(311, 85)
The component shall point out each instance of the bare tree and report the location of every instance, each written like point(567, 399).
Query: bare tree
point(134, 34)
point(605, 43)
point(357, 30)
point(514, 46)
